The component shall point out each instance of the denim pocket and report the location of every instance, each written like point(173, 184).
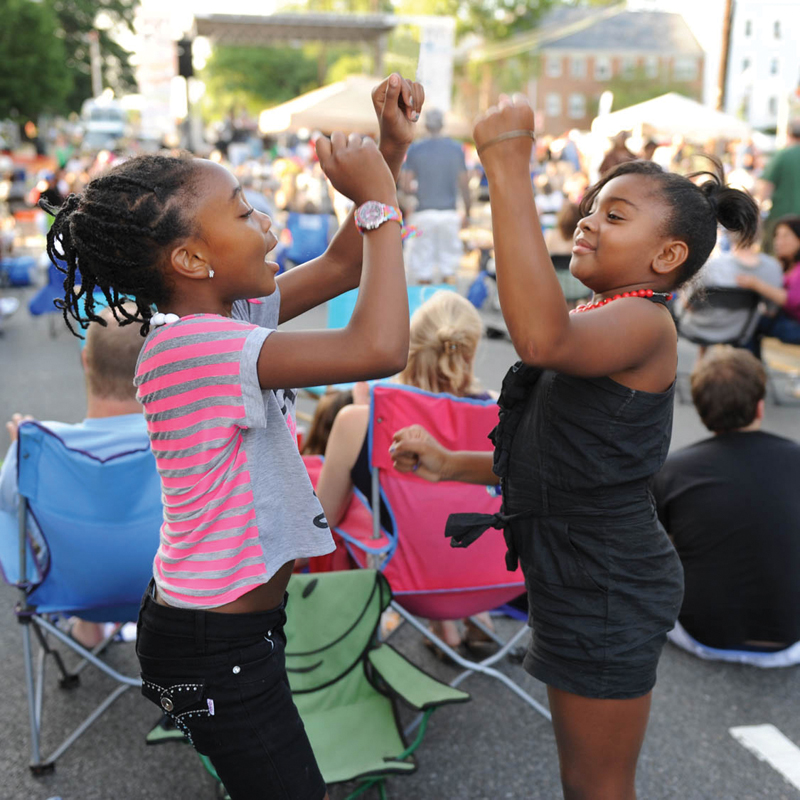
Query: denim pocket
point(182, 701)
point(253, 664)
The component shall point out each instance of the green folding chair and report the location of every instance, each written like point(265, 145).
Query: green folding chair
point(346, 684)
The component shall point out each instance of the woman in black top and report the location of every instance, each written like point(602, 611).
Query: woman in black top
point(585, 420)
point(444, 336)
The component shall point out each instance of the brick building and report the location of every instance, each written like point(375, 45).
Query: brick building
point(578, 53)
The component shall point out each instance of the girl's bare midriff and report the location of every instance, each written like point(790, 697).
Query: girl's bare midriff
point(263, 598)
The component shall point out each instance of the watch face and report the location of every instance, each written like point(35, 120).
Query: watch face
point(371, 214)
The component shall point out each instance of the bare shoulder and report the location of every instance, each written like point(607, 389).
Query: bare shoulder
point(651, 324)
point(353, 417)
point(349, 429)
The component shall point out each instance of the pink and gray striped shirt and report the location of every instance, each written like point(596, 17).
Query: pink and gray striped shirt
point(238, 503)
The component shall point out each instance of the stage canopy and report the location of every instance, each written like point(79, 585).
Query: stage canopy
point(669, 115)
point(255, 30)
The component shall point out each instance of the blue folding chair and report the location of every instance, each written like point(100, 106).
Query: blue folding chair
point(309, 236)
point(42, 301)
point(83, 545)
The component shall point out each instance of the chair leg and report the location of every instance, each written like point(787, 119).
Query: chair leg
point(35, 688)
point(492, 634)
point(367, 785)
point(97, 649)
point(484, 667)
point(83, 727)
point(33, 717)
point(68, 679)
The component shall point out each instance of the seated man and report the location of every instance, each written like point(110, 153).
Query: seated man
point(731, 505)
point(114, 421)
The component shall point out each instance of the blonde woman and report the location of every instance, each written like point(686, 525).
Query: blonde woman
point(445, 332)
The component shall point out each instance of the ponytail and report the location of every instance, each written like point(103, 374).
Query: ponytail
point(734, 209)
point(445, 332)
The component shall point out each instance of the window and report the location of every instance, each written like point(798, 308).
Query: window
point(651, 66)
point(553, 66)
point(552, 105)
point(776, 29)
point(577, 106)
point(773, 66)
point(772, 106)
point(628, 67)
point(748, 28)
point(577, 67)
point(745, 64)
point(685, 69)
point(602, 68)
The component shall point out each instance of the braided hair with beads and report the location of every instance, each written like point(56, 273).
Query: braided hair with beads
point(115, 237)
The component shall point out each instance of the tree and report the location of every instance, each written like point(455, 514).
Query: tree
point(256, 77)
point(32, 54)
point(77, 19)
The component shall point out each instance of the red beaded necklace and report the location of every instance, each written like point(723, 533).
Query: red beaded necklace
point(638, 293)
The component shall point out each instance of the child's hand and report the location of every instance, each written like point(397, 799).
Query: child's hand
point(398, 103)
point(356, 168)
point(504, 134)
point(747, 281)
point(413, 449)
point(12, 426)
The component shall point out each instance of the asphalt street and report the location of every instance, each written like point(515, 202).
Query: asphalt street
point(491, 748)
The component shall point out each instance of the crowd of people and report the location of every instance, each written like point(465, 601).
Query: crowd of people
point(592, 507)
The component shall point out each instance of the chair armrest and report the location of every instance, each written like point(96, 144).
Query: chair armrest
point(411, 683)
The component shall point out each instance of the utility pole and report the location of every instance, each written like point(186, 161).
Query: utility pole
point(723, 60)
point(96, 64)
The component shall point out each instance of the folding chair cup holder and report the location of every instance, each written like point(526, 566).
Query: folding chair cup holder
point(73, 504)
point(429, 579)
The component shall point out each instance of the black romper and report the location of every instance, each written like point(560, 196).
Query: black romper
point(575, 456)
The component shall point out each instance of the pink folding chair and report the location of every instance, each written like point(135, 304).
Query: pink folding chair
point(430, 579)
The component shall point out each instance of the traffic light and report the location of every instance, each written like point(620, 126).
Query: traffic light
point(185, 68)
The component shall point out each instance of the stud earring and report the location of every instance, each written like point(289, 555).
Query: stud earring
point(211, 273)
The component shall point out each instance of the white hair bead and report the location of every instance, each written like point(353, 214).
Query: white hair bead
point(158, 319)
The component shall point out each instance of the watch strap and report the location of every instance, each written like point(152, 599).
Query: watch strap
point(386, 213)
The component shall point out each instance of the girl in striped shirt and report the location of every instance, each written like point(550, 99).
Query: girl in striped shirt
point(177, 233)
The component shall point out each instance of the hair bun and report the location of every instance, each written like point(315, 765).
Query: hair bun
point(711, 189)
point(734, 209)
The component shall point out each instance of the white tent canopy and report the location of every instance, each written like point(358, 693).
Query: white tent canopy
point(343, 106)
point(670, 115)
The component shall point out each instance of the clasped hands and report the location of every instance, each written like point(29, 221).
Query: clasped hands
point(413, 449)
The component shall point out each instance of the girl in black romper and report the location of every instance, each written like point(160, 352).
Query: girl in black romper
point(585, 421)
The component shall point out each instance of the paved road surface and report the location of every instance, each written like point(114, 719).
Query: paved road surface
point(492, 748)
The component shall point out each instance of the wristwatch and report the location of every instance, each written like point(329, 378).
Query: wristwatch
point(372, 215)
